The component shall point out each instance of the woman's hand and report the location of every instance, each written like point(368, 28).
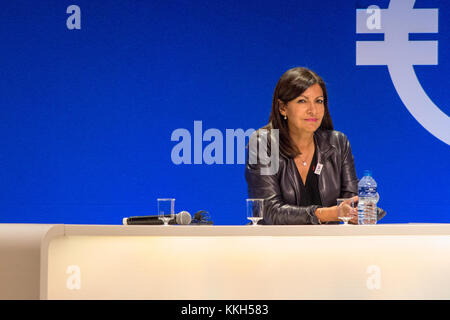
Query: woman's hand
point(331, 213)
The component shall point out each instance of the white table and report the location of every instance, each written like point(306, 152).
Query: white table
point(387, 261)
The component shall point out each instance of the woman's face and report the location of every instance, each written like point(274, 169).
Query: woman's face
point(305, 113)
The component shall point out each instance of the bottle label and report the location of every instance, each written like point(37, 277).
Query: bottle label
point(367, 190)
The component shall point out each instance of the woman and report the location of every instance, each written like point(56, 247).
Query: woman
point(315, 162)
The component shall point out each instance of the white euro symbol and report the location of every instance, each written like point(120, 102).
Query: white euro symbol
point(400, 55)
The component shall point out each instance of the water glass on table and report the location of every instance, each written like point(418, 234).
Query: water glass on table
point(166, 210)
point(346, 209)
point(255, 209)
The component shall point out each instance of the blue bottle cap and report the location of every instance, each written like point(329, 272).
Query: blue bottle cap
point(367, 173)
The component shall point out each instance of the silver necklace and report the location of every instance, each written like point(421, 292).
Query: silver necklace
point(303, 162)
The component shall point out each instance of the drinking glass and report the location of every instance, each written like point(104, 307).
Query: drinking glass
point(346, 209)
point(255, 209)
point(166, 210)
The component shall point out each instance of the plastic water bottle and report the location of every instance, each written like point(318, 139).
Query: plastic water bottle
point(367, 199)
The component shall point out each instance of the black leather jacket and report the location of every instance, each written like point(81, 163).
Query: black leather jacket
point(281, 190)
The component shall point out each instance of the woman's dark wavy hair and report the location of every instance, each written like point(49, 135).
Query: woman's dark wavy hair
point(292, 84)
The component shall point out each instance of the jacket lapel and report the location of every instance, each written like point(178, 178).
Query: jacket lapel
point(325, 149)
point(293, 179)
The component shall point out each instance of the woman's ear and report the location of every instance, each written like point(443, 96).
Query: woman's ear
point(282, 107)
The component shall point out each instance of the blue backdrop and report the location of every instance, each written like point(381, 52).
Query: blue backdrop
point(87, 114)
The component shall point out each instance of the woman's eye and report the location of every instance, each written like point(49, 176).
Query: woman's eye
point(320, 101)
point(301, 101)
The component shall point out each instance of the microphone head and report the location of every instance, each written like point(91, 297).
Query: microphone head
point(183, 217)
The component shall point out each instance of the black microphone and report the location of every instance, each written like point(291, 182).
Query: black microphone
point(202, 218)
point(183, 217)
